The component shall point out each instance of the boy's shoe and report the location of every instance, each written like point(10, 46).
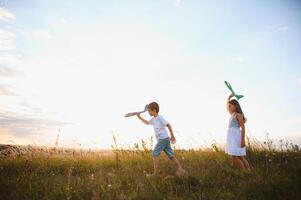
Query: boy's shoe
point(181, 172)
point(152, 175)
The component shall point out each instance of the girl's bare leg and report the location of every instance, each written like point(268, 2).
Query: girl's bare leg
point(245, 162)
point(238, 162)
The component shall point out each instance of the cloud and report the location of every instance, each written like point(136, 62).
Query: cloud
point(6, 15)
point(294, 121)
point(7, 90)
point(294, 13)
point(39, 34)
point(26, 122)
point(63, 21)
point(299, 81)
point(43, 34)
point(178, 3)
point(25, 125)
point(237, 59)
point(7, 72)
point(281, 28)
point(7, 137)
point(10, 59)
point(6, 40)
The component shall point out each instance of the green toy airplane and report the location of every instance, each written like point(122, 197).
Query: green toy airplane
point(231, 89)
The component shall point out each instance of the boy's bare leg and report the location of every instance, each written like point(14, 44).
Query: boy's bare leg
point(180, 171)
point(245, 162)
point(238, 162)
point(176, 162)
point(156, 162)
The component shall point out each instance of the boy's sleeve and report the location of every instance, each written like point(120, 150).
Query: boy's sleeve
point(163, 121)
point(150, 121)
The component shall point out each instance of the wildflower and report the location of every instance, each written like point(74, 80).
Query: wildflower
point(92, 177)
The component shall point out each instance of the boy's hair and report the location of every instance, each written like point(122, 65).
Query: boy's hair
point(154, 106)
point(235, 103)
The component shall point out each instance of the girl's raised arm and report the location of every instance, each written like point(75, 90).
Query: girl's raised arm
point(229, 98)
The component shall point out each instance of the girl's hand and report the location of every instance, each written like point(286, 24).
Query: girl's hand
point(231, 95)
point(173, 139)
point(242, 144)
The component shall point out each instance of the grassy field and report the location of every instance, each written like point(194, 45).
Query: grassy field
point(54, 173)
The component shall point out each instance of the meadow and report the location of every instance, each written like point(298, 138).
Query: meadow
point(29, 172)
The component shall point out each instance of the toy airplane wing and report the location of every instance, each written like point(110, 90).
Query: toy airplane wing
point(239, 96)
point(232, 91)
point(130, 114)
point(134, 113)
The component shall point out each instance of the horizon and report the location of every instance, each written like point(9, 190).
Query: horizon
point(76, 68)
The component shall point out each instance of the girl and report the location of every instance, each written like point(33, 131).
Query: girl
point(236, 147)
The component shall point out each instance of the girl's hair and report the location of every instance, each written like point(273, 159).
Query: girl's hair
point(235, 103)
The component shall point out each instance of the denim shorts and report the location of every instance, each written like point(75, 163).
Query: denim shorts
point(163, 145)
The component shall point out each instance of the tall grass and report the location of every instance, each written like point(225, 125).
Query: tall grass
point(55, 173)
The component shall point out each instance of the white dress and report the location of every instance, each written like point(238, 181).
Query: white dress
point(233, 146)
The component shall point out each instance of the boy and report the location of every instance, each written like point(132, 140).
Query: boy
point(163, 140)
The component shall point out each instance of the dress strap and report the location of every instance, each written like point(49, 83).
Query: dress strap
point(234, 115)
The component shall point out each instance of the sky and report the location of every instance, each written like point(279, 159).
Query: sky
point(75, 68)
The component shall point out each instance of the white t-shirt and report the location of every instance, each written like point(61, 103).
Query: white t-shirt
point(159, 124)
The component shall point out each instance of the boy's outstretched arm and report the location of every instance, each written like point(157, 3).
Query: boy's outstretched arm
point(143, 120)
point(172, 136)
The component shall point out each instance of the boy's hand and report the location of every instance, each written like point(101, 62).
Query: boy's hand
point(143, 120)
point(173, 139)
point(242, 144)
